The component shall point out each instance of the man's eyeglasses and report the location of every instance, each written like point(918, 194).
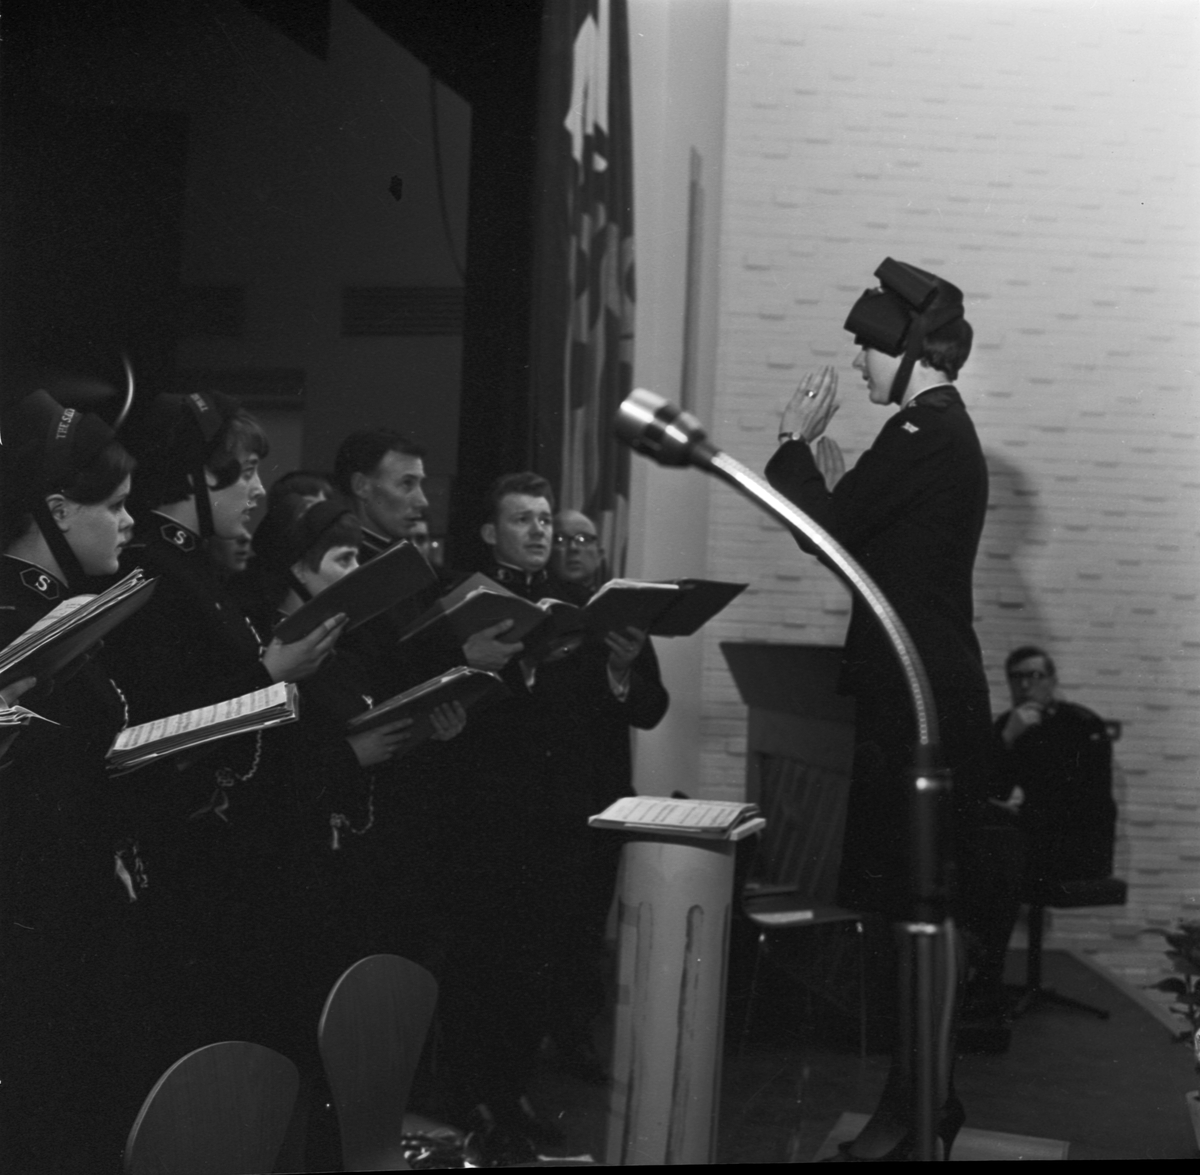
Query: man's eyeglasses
point(581, 542)
point(1023, 675)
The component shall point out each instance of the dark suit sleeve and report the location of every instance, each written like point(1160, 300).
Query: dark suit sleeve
point(889, 481)
point(647, 700)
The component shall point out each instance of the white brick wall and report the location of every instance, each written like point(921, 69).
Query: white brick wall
point(1045, 158)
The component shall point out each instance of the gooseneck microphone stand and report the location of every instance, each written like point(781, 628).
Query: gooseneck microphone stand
point(657, 429)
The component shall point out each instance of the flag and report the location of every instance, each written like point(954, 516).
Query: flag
point(583, 319)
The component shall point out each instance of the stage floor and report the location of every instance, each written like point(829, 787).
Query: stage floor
point(1094, 1089)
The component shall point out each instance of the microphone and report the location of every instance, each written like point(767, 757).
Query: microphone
point(654, 427)
point(657, 429)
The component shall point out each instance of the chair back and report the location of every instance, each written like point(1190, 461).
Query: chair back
point(221, 1110)
point(371, 1034)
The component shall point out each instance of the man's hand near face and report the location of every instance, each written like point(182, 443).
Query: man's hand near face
point(1020, 719)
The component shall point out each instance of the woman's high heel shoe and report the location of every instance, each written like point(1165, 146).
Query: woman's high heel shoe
point(949, 1123)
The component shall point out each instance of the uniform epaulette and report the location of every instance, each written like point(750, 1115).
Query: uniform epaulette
point(42, 582)
point(178, 536)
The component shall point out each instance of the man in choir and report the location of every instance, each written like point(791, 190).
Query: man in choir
point(555, 753)
point(381, 472)
point(578, 555)
point(424, 542)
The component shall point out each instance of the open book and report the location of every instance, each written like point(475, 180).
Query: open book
point(707, 819)
point(138, 745)
point(479, 602)
point(68, 631)
point(675, 607)
point(374, 587)
point(669, 608)
point(470, 687)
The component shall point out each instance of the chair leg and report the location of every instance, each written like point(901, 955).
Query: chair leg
point(748, 1013)
point(1033, 969)
point(862, 990)
point(1034, 992)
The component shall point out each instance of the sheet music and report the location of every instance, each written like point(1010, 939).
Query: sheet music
point(222, 712)
point(675, 813)
point(64, 609)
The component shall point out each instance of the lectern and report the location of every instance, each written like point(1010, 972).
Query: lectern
point(799, 747)
point(673, 943)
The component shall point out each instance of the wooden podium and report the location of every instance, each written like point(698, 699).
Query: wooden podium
point(799, 747)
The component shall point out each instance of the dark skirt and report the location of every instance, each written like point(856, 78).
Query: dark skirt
point(875, 872)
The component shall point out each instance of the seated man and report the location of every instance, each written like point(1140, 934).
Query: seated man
point(1054, 766)
point(1052, 818)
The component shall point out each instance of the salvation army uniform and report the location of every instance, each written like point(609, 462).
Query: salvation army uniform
point(910, 512)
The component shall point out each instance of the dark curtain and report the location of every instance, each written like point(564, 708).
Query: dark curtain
point(583, 308)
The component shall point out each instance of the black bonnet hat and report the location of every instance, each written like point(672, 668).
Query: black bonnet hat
point(288, 532)
point(897, 318)
point(181, 431)
point(52, 445)
point(70, 440)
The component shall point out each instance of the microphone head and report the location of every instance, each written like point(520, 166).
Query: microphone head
point(657, 429)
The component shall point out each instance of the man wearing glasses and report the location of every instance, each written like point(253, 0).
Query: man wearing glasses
point(578, 555)
point(1053, 820)
point(1054, 764)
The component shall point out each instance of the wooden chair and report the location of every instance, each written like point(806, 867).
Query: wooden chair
point(790, 882)
point(371, 1033)
point(221, 1110)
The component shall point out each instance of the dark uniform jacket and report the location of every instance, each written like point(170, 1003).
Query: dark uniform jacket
point(1064, 767)
point(910, 512)
point(69, 851)
point(75, 886)
point(190, 646)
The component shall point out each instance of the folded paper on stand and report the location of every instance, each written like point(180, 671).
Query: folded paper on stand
point(708, 819)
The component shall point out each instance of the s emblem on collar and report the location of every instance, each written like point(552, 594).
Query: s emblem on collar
point(908, 426)
point(178, 536)
point(504, 574)
point(41, 582)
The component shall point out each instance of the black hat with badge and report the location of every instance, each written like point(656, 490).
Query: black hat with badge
point(179, 433)
point(292, 527)
point(48, 447)
point(911, 307)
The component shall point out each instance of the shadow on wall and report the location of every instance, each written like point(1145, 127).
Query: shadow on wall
point(1009, 600)
point(1008, 609)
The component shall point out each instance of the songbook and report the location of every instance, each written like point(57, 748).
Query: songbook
point(275, 705)
point(470, 687)
point(69, 630)
point(675, 607)
point(705, 819)
point(678, 607)
point(371, 588)
point(479, 602)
